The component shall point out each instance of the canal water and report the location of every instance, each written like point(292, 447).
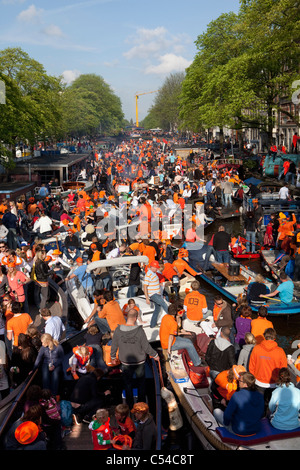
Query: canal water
point(287, 328)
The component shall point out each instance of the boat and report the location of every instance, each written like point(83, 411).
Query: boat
point(197, 404)
point(271, 262)
point(11, 407)
point(85, 307)
point(246, 255)
point(231, 287)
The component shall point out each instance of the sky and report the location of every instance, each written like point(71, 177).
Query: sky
point(133, 45)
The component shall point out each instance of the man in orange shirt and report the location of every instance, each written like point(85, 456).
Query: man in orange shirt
point(260, 324)
point(195, 307)
point(111, 314)
point(17, 324)
point(170, 338)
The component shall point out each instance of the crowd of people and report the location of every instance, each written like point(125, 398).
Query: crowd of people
point(151, 182)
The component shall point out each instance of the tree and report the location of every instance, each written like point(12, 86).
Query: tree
point(90, 107)
point(32, 107)
point(165, 111)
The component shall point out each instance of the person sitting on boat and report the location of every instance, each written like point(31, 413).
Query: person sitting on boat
point(225, 385)
point(284, 405)
point(110, 316)
point(195, 307)
point(266, 359)
point(222, 314)
point(285, 290)
point(244, 410)
point(286, 227)
point(244, 354)
point(237, 247)
point(256, 289)
point(171, 338)
point(260, 324)
point(220, 354)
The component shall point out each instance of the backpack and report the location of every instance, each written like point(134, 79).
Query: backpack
point(66, 413)
point(198, 374)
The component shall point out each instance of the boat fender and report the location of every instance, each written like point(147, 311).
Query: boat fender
point(176, 421)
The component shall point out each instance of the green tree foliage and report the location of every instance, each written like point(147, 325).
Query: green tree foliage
point(33, 106)
point(90, 107)
point(165, 111)
point(245, 64)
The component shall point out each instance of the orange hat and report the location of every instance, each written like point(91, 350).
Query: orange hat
point(56, 252)
point(79, 260)
point(93, 246)
point(154, 264)
point(27, 432)
point(237, 370)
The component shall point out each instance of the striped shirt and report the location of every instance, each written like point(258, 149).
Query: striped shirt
point(152, 283)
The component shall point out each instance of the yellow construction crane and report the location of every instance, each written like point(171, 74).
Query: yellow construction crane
point(136, 104)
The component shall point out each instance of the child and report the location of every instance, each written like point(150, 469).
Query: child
point(125, 424)
point(102, 433)
point(80, 360)
point(132, 305)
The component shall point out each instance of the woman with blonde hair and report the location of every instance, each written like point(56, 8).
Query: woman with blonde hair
point(50, 358)
point(244, 355)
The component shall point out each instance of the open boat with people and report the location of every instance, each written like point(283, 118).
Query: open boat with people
point(232, 285)
point(85, 306)
point(195, 399)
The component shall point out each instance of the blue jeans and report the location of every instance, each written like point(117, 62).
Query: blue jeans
point(159, 302)
point(132, 290)
point(51, 379)
point(210, 251)
point(102, 325)
point(250, 237)
point(223, 256)
point(227, 200)
point(186, 343)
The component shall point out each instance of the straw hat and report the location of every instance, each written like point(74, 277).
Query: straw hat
point(89, 228)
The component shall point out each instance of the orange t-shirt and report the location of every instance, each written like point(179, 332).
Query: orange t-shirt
point(18, 324)
point(258, 327)
point(195, 302)
point(168, 326)
point(113, 314)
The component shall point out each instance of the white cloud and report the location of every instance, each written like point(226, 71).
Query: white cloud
point(148, 42)
point(168, 63)
point(53, 31)
point(31, 15)
point(69, 76)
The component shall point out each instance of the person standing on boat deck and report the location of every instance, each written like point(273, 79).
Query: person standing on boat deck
point(266, 359)
point(221, 244)
point(53, 324)
point(131, 341)
point(227, 191)
point(285, 290)
point(258, 216)
point(220, 354)
point(170, 338)
point(146, 432)
point(250, 231)
point(153, 292)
